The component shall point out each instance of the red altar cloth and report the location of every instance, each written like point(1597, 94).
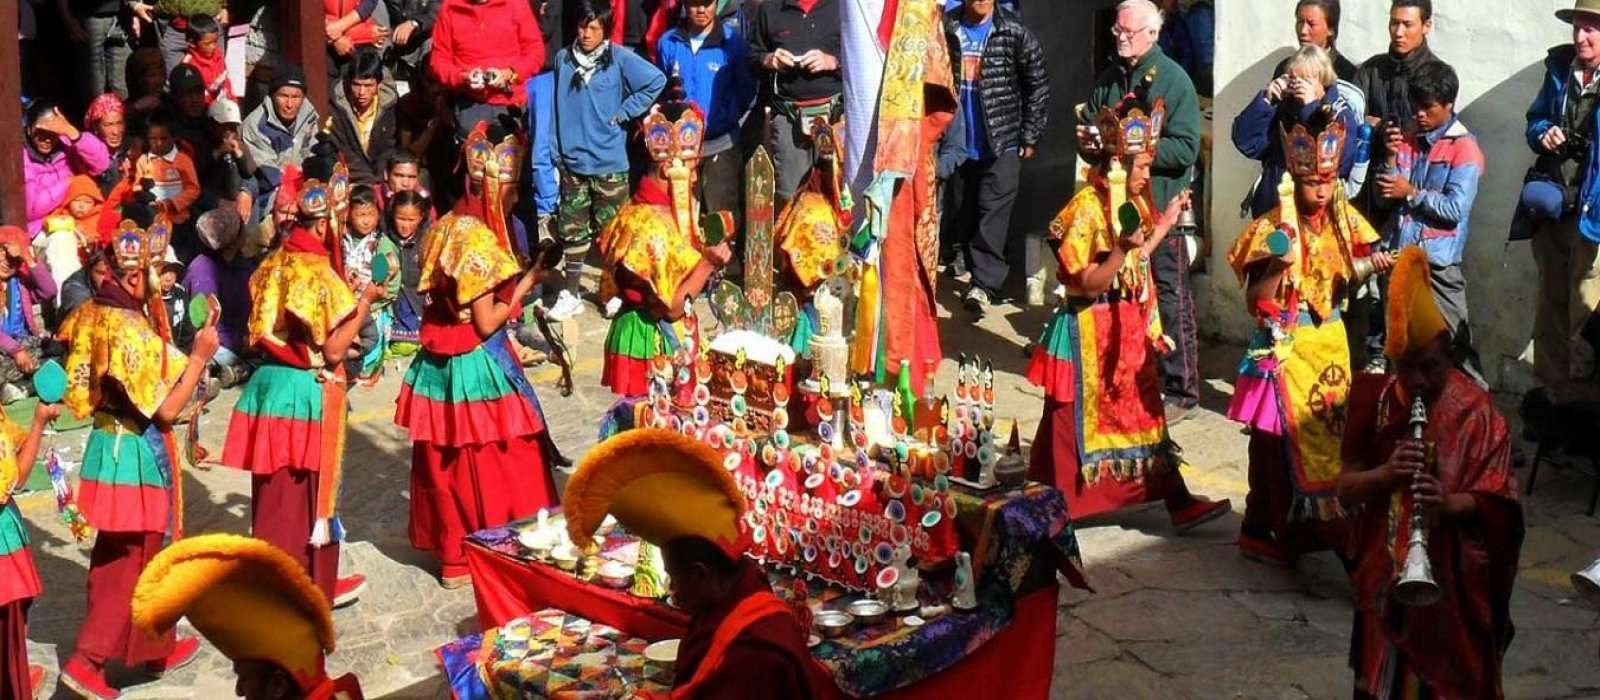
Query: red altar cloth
point(1015, 663)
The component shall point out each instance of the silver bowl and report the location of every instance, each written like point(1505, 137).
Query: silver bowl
point(833, 623)
point(616, 574)
point(868, 611)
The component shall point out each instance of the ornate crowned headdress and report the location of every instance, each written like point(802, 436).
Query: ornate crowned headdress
point(669, 140)
point(1130, 130)
point(138, 248)
point(490, 160)
point(321, 200)
point(1313, 155)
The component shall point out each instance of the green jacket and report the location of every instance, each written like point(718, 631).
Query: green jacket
point(1180, 135)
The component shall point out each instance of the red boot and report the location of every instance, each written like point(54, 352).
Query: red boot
point(87, 680)
point(183, 653)
point(1198, 511)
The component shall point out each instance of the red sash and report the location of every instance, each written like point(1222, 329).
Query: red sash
point(754, 608)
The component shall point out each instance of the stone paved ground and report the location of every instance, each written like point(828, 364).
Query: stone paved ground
point(1170, 616)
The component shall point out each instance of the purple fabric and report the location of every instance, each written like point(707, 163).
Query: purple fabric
point(46, 178)
point(230, 283)
point(36, 284)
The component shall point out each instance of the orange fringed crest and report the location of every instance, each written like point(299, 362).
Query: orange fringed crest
point(1414, 316)
point(660, 485)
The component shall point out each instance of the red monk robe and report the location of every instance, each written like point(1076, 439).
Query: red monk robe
point(766, 658)
point(1452, 648)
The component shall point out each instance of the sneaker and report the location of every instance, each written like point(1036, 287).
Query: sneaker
point(35, 680)
point(184, 652)
point(347, 590)
point(1265, 551)
point(1376, 365)
point(11, 393)
point(958, 268)
point(87, 681)
point(976, 300)
point(567, 306)
point(1198, 512)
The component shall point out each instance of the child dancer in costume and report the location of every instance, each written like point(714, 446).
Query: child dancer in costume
point(122, 370)
point(288, 425)
point(812, 230)
point(480, 447)
point(19, 581)
point(1296, 264)
point(256, 605)
point(1103, 438)
point(655, 260)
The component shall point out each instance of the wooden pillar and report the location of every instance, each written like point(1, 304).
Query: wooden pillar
point(13, 209)
point(305, 44)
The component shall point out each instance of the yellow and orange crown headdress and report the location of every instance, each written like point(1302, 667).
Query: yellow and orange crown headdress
point(1130, 130)
point(248, 598)
point(139, 248)
point(668, 140)
point(487, 159)
point(660, 485)
point(1313, 155)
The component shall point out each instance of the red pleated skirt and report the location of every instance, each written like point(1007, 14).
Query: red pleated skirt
point(456, 491)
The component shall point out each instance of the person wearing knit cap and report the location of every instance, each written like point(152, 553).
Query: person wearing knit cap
point(107, 117)
point(673, 492)
point(280, 131)
point(288, 425)
point(124, 371)
point(255, 605)
point(1459, 474)
point(481, 458)
point(222, 270)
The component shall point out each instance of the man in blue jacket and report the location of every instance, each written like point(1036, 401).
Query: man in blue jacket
point(710, 57)
point(1562, 191)
point(599, 89)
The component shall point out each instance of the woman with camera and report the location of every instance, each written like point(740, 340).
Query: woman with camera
point(1308, 85)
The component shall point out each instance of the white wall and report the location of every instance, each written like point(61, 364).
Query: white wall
point(1497, 48)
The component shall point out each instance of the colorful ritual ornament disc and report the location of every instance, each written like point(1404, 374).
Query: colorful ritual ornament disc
point(50, 382)
point(931, 518)
point(850, 499)
point(888, 576)
point(883, 553)
point(895, 511)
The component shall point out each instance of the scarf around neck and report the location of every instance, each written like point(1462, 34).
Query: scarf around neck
point(586, 64)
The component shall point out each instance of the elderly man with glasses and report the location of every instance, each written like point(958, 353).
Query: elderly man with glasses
point(1148, 74)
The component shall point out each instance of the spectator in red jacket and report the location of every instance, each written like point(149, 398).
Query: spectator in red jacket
point(483, 51)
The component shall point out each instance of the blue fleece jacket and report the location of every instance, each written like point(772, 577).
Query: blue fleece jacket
point(591, 129)
point(542, 160)
point(716, 77)
point(1545, 112)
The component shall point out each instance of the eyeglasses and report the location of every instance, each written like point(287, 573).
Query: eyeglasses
point(1121, 32)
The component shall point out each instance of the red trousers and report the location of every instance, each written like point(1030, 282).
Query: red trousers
point(107, 633)
point(456, 491)
point(14, 649)
point(283, 509)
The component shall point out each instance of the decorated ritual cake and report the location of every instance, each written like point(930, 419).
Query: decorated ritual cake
point(750, 376)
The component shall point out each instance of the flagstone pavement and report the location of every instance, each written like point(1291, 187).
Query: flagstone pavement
point(1170, 616)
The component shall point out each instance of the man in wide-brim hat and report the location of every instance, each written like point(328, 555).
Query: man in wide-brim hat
point(1555, 208)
